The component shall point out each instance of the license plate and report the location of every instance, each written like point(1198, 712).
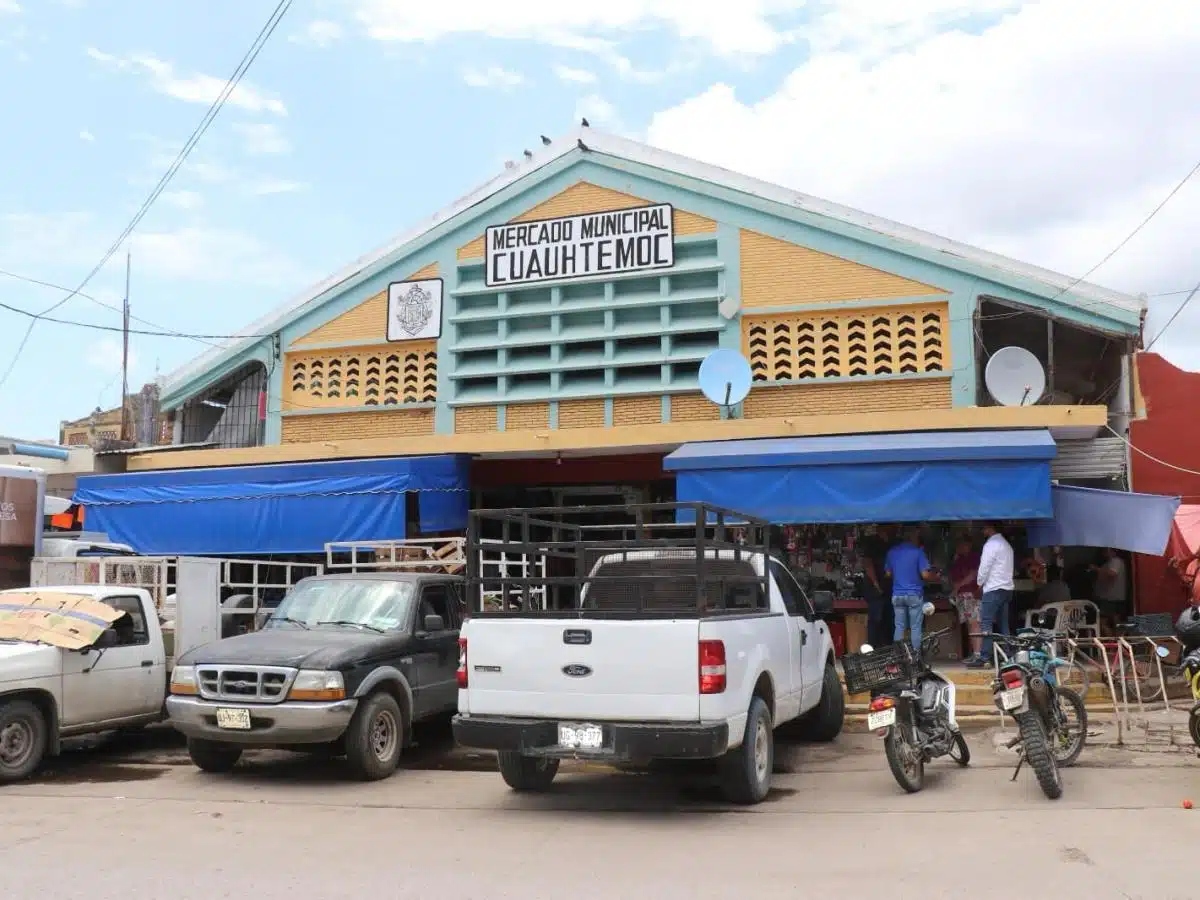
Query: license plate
point(238, 719)
point(581, 737)
point(1012, 698)
point(881, 719)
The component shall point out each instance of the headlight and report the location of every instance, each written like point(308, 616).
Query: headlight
point(316, 685)
point(183, 680)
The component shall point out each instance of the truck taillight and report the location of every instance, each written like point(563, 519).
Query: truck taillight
point(461, 675)
point(712, 667)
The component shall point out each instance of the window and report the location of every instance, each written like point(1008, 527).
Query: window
point(369, 603)
point(130, 630)
point(794, 598)
point(436, 601)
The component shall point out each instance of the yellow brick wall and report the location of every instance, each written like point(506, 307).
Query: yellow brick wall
point(474, 419)
point(637, 410)
point(584, 197)
point(779, 273)
point(833, 399)
point(693, 408)
point(379, 375)
point(889, 340)
point(356, 426)
point(581, 413)
point(365, 322)
point(520, 416)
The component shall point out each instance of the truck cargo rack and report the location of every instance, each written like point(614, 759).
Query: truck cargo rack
point(651, 560)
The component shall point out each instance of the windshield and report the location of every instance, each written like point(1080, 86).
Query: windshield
point(373, 605)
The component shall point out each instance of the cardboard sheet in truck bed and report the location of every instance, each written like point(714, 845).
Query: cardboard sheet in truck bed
point(70, 621)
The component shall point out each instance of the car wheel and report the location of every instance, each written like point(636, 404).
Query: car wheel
point(212, 756)
point(823, 723)
point(23, 739)
point(375, 737)
point(526, 773)
point(746, 771)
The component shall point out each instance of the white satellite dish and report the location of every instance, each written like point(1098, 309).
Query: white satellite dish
point(725, 377)
point(1015, 377)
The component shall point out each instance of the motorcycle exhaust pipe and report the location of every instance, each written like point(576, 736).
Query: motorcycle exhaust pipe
point(1039, 691)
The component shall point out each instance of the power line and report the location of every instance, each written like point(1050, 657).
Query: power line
point(1140, 451)
point(98, 327)
point(1174, 316)
point(230, 85)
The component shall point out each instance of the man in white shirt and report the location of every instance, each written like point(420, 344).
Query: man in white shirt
point(995, 579)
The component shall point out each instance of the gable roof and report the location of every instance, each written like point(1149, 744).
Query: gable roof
point(584, 139)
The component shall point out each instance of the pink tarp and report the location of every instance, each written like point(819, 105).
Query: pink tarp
point(1184, 545)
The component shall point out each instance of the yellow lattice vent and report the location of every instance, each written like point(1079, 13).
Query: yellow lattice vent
point(853, 344)
point(386, 375)
point(357, 426)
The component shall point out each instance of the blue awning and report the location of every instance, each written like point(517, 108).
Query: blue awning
point(1088, 517)
point(908, 477)
point(288, 508)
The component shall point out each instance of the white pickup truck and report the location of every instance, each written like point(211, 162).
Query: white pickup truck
point(49, 692)
point(665, 654)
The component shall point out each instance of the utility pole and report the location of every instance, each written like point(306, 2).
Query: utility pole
point(125, 354)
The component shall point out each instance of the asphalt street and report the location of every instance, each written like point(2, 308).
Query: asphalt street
point(131, 819)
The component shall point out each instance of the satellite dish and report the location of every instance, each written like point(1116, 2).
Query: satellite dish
point(1015, 377)
point(725, 377)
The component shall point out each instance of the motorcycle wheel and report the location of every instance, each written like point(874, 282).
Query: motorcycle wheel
point(1038, 755)
point(959, 751)
point(1194, 725)
point(1071, 734)
point(904, 760)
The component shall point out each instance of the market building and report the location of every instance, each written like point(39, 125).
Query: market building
point(538, 343)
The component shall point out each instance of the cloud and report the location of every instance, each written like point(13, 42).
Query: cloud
point(105, 355)
point(263, 138)
point(752, 27)
point(996, 132)
point(599, 113)
point(182, 199)
point(493, 77)
point(197, 88)
point(10, 6)
point(87, 137)
point(276, 186)
point(574, 76)
point(319, 32)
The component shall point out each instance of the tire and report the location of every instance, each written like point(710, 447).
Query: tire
point(1068, 746)
point(375, 737)
point(746, 771)
point(1038, 755)
point(1194, 725)
point(823, 723)
point(896, 748)
point(526, 774)
point(959, 751)
point(1143, 678)
point(24, 736)
point(210, 756)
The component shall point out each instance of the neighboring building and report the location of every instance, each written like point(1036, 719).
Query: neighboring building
point(503, 331)
point(1167, 434)
point(102, 428)
point(60, 463)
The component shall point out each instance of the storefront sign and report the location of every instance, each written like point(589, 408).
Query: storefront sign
point(606, 243)
point(414, 310)
point(18, 512)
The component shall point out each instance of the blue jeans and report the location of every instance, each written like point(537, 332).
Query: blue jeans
point(910, 614)
point(993, 616)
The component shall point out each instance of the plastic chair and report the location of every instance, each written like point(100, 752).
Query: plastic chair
point(1068, 618)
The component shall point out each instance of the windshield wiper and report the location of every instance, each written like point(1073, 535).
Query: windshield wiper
point(355, 624)
point(289, 619)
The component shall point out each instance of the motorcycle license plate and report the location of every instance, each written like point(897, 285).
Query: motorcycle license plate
point(1012, 698)
point(882, 719)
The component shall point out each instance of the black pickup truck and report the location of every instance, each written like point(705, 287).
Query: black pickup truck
point(345, 663)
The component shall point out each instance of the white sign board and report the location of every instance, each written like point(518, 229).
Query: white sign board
point(414, 309)
point(595, 244)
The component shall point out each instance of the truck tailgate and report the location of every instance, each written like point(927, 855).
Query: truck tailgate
point(643, 670)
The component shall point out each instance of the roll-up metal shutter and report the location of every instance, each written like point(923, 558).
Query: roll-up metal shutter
point(1101, 457)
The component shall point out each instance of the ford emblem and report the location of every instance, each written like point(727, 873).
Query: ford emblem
point(577, 670)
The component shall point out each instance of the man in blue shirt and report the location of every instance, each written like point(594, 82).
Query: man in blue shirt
point(909, 568)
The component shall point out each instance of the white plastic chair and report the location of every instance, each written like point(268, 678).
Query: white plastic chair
point(1069, 618)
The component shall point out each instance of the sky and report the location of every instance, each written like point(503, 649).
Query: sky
point(1043, 129)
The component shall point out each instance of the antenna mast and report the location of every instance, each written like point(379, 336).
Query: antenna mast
point(125, 354)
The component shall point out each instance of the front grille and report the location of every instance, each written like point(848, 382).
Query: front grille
point(244, 684)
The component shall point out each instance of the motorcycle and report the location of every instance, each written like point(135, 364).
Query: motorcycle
point(1187, 628)
point(912, 707)
point(1051, 719)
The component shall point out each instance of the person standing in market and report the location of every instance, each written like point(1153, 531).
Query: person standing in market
point(966, 593)
point(995, 580)
point(909, 569)
point(1111, 590)
point(873, 550)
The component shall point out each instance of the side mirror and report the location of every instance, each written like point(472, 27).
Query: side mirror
point(1162, 651)
point(822, 602)
point(866, 648)
point(434, 623)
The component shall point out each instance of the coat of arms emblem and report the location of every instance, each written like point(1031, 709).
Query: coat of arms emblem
point(413, 310)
